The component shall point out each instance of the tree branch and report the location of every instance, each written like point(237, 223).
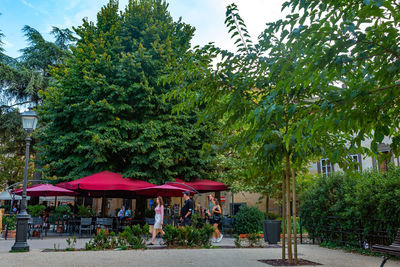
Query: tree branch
point(17, 104)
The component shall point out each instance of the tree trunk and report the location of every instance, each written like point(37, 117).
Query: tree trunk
point(283, 217)
point(294, 215)
point(267, 205)
point(289, 223)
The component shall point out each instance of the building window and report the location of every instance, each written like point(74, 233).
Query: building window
point(357, 162)
point(326, 167)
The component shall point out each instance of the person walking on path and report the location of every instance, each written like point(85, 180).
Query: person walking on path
point(210, 208)
point(158, 219)
point(187, 209)
point(217, 213)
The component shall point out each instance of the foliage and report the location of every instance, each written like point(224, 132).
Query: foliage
point(197, 221)
point(12, 148)
point(188, 236)
point(63, 210)
point(350, 59)
point(254, 239)
point(105, 110)
point(368, 200)
point(271, 216)
point(238, 243)
point(248, 220)
point(71, 243)
point(36, 210)
point(85, 212)
point(10, 221)
point(133, 236)
point(102, 241)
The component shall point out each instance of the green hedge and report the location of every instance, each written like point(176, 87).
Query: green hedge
point(248, 220)
point(369, 201)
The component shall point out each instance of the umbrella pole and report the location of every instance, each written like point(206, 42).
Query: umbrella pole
point(55, 201)
point(103, 206)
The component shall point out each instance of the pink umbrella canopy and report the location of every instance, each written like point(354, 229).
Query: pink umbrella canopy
point(106, 184)
point(46, 190)
point(164, 190)
point(202, 185)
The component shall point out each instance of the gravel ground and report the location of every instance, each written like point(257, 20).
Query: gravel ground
point(183, 257)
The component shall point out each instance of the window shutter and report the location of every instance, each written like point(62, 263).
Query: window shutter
point(360, 161)
point(319, 167)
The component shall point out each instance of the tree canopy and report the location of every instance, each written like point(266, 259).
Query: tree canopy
point(105, 110)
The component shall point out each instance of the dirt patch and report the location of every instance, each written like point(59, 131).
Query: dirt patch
point(279, 262)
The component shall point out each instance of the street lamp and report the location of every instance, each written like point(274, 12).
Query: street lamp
point(29, 121)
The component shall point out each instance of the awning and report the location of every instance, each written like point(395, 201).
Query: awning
point(46, 190)
point(5, 195)
point(202, 185)
point(164, 190)
point(108, 184)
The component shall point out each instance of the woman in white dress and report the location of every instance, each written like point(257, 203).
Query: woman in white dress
point(158, 219)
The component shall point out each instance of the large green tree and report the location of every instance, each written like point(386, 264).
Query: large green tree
point(351, 60)
point(105, 110)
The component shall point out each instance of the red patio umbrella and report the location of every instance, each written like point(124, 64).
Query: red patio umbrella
point(108, 184)
point(164, 190)
point(46, 190)
point(201, 185)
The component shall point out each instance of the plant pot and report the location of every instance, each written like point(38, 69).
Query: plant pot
point(272, 231)
point(59, 229)
point(10, 234)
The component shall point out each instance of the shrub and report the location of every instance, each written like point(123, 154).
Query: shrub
point(271, 216)
point(10, 221)
point(36, 210)
point(63, 210)
point(248, 220)
point(368, 200)
point(99, 242)
point(254, 239)
point(133, 236)
point(85, 212)
point(197, 221)
point(188, 236)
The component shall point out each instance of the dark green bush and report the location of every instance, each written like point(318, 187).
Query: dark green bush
point(36, 210)
point(248, 220)
point(85, 212)
point(10, 221)
point(132, 236)
point(368, 200)
point(188, 236)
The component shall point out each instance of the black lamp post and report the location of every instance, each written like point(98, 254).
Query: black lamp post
point(29, 121)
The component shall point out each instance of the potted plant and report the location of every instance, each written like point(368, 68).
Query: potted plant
point(62, 212)
point(11, 223)
point(85, 212)
point(36, 210)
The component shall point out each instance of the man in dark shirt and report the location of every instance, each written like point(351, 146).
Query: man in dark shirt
point(187, 209)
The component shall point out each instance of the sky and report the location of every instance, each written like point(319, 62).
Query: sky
point(207, 16)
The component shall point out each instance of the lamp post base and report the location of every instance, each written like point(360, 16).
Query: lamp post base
point(22, 232)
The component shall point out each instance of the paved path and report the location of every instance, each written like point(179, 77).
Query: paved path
point(174, 257)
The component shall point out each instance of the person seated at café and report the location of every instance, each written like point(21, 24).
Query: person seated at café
point(128, 213)
point(121, 212)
